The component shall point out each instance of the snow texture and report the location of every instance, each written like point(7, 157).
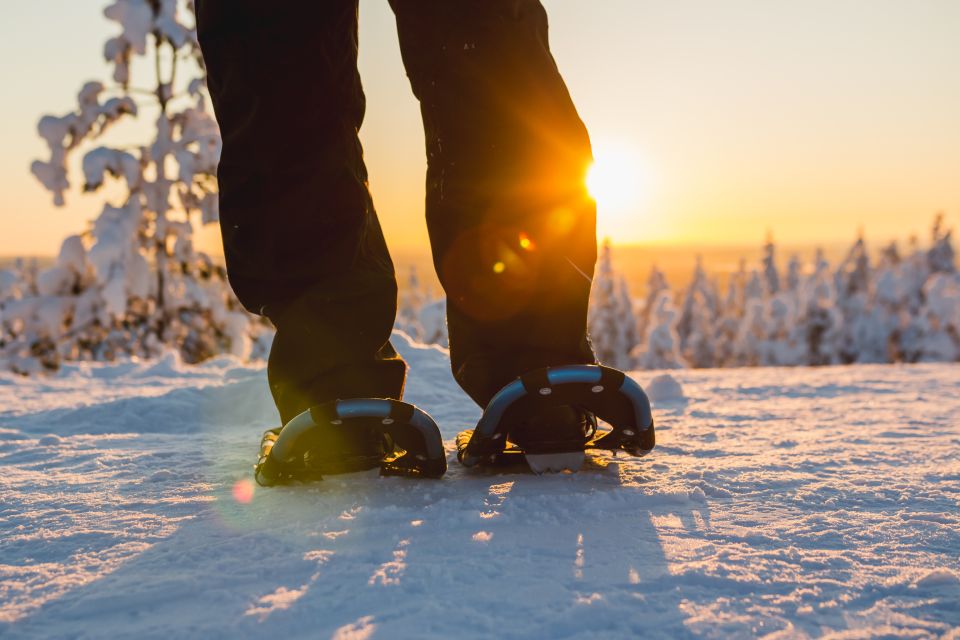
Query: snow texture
point(800, 502)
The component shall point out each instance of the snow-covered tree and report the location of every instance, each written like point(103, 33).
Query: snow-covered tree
point(727, 323)
point(630, 330)
point(612, 324)
point(771, 276)
point(751, 334)
point(412, 299)
point(132, 284)
point(913, 273)
point(433, 322)
point(754, 290)
point(862, 334)
point(794, 273)
point(818, 316)
point(934, 333)
point(783, 344)
point(700, 349)
point(941, 258)
point(698, 300)
point(656, 284)
point(661, 346)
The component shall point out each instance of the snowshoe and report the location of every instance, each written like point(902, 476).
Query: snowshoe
point(548, 417)
point(344, 436)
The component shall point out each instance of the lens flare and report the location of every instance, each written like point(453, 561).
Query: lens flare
point(499, 267)
point(243, 490)
point(526, 243)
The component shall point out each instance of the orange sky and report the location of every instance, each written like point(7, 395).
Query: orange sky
point(810, 119)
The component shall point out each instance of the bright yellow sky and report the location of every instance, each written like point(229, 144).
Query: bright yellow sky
point(725, 119)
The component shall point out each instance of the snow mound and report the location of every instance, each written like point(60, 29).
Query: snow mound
point(936, 578)
point(664, 388)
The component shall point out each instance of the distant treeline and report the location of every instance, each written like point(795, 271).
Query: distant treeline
point(902, 306)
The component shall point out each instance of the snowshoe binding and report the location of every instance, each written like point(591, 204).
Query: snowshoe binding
point(345, 436)
point(548, 417)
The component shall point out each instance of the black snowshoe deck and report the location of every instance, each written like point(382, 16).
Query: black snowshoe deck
point(345, 436)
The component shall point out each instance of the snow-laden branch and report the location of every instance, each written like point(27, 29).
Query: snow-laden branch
point(65, 133)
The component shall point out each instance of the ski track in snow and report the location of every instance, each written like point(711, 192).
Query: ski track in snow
point(785, 502)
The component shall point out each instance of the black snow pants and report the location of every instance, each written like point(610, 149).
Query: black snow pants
point(511, 226)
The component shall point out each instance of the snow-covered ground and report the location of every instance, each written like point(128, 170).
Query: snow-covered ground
point(785, 502)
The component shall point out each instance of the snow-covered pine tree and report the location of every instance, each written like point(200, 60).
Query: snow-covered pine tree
point(755, 288)
point(751, 335)
point(612, 325)
point(700, 349)
point(698, 293)
point(661, 346)
point(941, 317)
point(864, 336)
point(133, 284)
point(602, 317)
point(889, 255)
point(914, 270)
point(817, 316)
point(771, 275)
point(433, 321)
point(941, 257)
point(784, 344)
point(794, 274)
point(630, 328)
point(656, 284)
point(737, 290)
point(697, 317)
point(727, 322)
point(745, 345)
point(411, 301)
point(933, 331)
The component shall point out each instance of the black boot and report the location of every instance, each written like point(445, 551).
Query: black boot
point(555, 430)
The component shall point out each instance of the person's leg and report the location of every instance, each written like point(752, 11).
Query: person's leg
point(300, 234)
point(512, 228)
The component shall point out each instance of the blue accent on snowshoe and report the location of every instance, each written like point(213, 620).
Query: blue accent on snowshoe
point(493, 414)
point(575, 373)
point(363, 407)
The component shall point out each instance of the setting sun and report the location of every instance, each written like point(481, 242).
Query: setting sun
point(620, 181)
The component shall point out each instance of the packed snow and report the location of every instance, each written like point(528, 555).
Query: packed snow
point(794, 502)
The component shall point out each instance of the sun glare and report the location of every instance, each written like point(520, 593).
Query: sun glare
point(619, 180)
